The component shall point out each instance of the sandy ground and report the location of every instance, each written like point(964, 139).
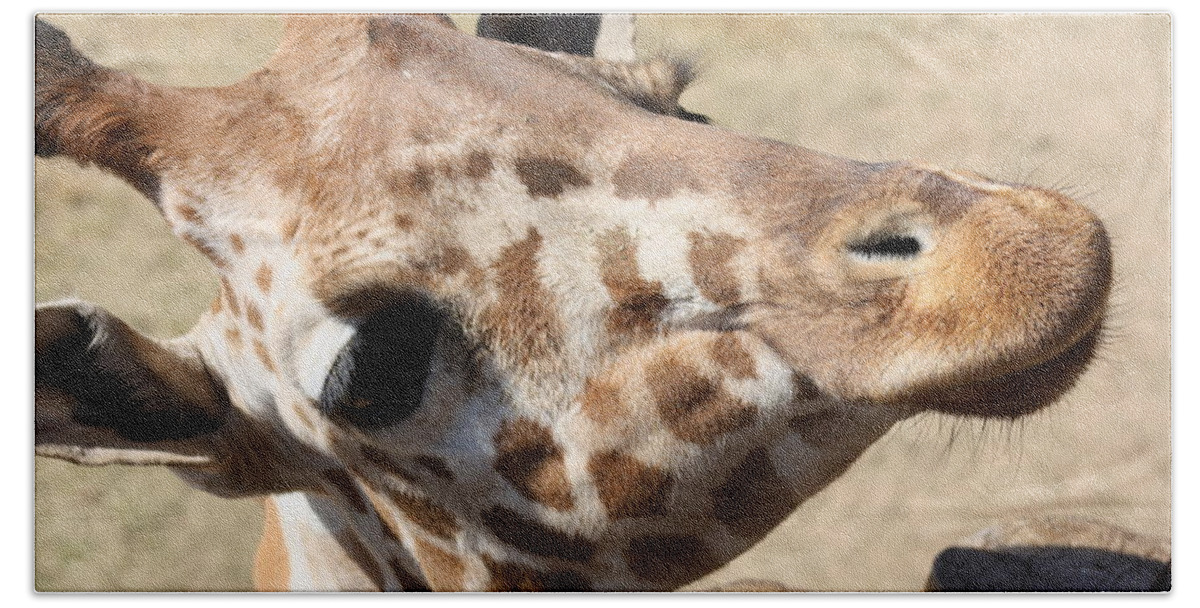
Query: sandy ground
point(1081, 103)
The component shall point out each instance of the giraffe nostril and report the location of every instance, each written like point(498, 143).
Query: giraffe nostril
point(887, 246)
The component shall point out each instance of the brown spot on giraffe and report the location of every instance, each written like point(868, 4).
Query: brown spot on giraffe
point(548, 177)
point(651, 179)
point(535, 537)
point(710, 256)
point(478, 165)
point(523, 320)
point(408, 581)
point(729, 352)
point(260, 351)
point(387, 522)
point(443, 570)
point(695, 408)
point(420, 180)
point(528, 457)
point(387, 464)
point(668, 558)
point(216, 258)
point(237, 244)
point(230, 297)
point(803, 388)
point(403, 221)
point(391, 527)
point(601, 400)
point(451, 259)
point(509, 576)
point(435, 466)
point(263, 278)
point(754, 498)
point(628, 487)
point(216, 305)
point(345, 486)
point(423, 512)
point(290, 227)
point(233, 337)
point(638, 303)
point(361, 556)
point(254, 316)
point(189, 214)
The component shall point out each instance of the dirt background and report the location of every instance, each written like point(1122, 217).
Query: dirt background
point(1077, 102)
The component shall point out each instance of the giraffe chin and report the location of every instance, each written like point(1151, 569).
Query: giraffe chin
point(1018, 393)
point(993, 387)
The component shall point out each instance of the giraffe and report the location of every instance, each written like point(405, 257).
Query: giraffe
point(492, 318)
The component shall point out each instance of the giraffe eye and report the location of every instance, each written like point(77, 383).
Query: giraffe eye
point(378, 377)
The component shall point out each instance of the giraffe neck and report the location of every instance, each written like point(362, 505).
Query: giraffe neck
point(309, 544)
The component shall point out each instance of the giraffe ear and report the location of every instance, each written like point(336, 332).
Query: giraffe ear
point(106, 394)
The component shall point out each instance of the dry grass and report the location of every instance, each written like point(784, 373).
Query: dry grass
point(1082, 102)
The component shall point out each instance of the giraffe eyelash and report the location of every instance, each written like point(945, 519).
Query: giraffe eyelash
point(378, 378)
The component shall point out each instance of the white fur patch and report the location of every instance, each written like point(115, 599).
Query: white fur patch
point(294, 514)
point(315, 355)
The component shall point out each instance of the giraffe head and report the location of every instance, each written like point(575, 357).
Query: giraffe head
point(492, 317)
